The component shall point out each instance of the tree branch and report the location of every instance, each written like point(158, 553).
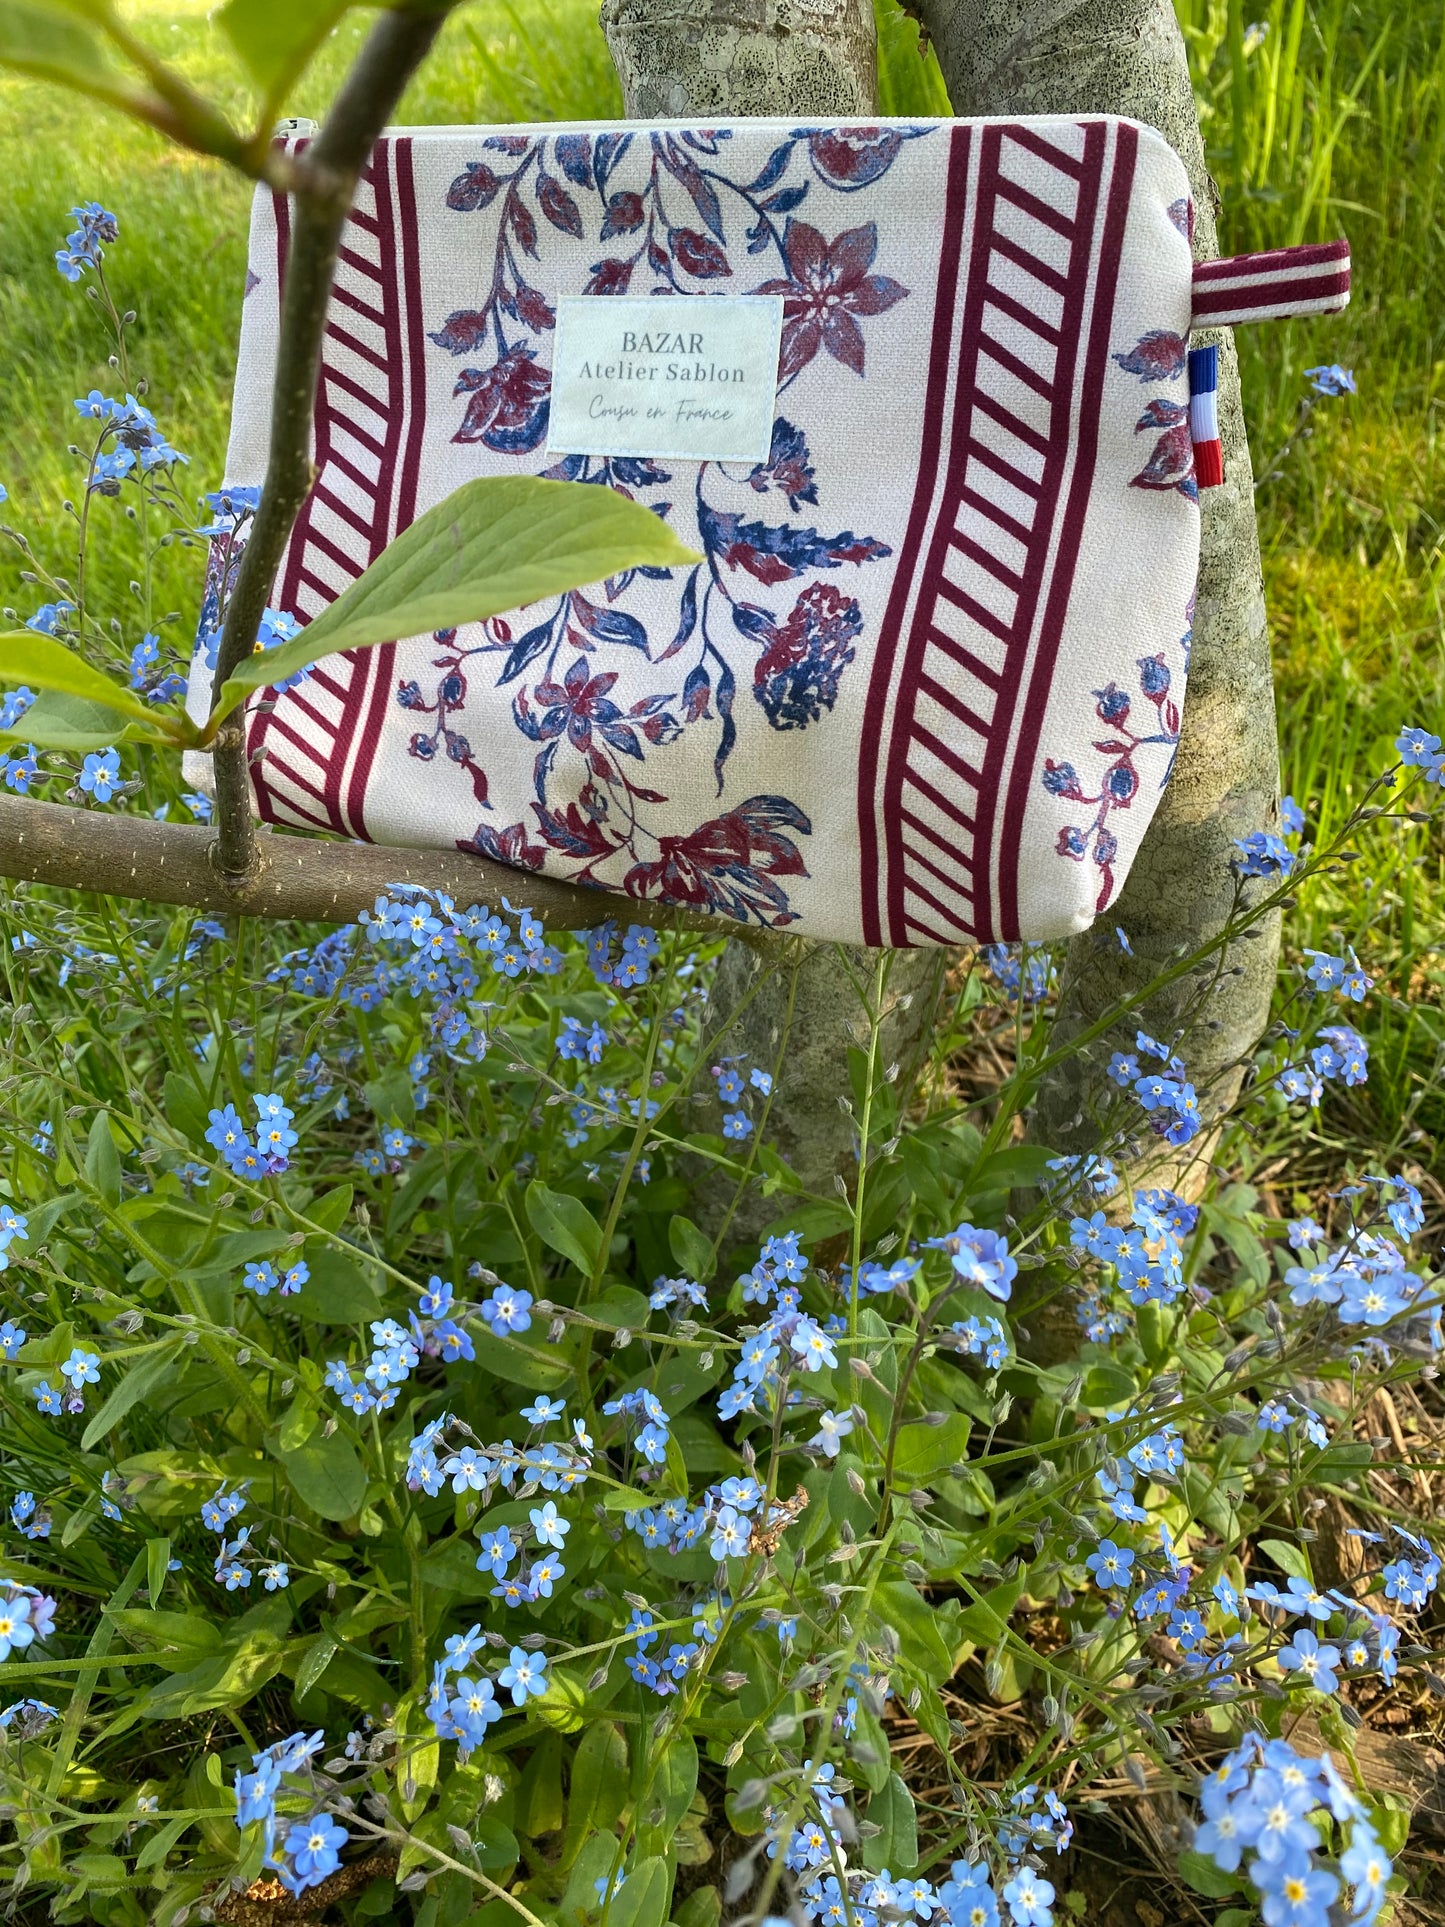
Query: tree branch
point(325, 186)
point(294, 877)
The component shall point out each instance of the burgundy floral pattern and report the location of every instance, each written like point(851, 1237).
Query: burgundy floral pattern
point(662, 213)
point(1161, 356)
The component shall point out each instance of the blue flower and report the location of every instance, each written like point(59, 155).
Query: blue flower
point(525, 1675)
point(47, 1399)
point(1274, 1417)
point(312, 1847)
point(1291, 816)
point(1314, 1663)
point(508, 1310)
point(100, 774)
point(14, 705)
point(1331, 380)
point(1028, 1896)
point(50, 617)
point(474, 1708)
point(737, 1124)
point(16, 1630)
point(1368, 1868)
point(21, 771)
point(81, 1368)
point(1111, 1565)
point(1262, 854)
point(979, 1258)
point(833, 1428)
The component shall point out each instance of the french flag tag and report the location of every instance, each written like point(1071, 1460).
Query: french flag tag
point(1204, 417)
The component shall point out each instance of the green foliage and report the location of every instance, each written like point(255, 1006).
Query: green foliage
point(495, 543)
point(940, 1549)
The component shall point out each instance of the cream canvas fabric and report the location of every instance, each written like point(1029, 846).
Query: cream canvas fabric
point(926, 685)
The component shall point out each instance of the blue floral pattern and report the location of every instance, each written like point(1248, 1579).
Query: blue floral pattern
point(669, 219)
point(1119, 781)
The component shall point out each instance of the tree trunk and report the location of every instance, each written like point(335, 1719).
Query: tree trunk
point(1127, 57)
point(790, 1004)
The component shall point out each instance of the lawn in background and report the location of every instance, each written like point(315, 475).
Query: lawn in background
point(1318, 118)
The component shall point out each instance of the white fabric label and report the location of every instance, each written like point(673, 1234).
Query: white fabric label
point(692, 377)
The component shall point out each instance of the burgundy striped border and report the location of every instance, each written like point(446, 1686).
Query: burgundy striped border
point(876, 711)
point(1096, 362)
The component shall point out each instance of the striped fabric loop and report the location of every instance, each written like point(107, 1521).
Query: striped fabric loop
point(1272, 286)
point(1204, 417)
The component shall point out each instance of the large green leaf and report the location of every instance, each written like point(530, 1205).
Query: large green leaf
point(327, 1475)
point(56, 720)
point(145, 1376)
point(566, 1224)
point(276, 38)
point(494, 544)
point(923, 1451)
point(338, 1291)
point(896, 1846)
point(50, 43)
point(641, 1900)
point(27, 657)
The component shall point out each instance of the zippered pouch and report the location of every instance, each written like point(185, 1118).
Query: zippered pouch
point(920, 395)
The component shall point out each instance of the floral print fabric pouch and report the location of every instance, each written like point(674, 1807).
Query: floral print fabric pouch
point(925, 685)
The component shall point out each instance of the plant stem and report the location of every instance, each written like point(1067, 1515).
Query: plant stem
point(324, 190)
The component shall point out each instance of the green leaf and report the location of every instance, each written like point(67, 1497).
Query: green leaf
point(598, 1788)
point(59, 721)
point(627, 1498)
point(691, 1251)
point(903, 1607)
point(185, 1107)
point(102, 1160)
point(642, 1900)
point(673, 1784)
point(48, 44)
point(702, 1908)
point(896, 1847)
point(1020, 1164)
point(1107, 1384)
point(276, 38)
point(594, 1863)
point(986, 1621)
point(178, 1640)
point(332, 1208)
point(327, 1475)
point(338, 1291)
point(564, 1222)
point(621, 1308)
point(494, 544)
point(1200, 1872)
point(1289, 1558)
point(923, 1451)
point(28, 657)
point(142, 1378)
point(314, 1662)
point(298, 1422)
point(453, 1567)
point(158, 1562)
point(153, 1853)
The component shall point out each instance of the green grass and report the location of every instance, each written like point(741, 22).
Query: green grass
point(1332, 119)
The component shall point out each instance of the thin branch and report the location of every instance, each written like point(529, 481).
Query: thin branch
point(325, 187)
point(295, 877)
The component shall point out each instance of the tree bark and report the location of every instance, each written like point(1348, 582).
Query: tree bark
point(793, 1006)
point(1127, 57)
point(298, 877)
